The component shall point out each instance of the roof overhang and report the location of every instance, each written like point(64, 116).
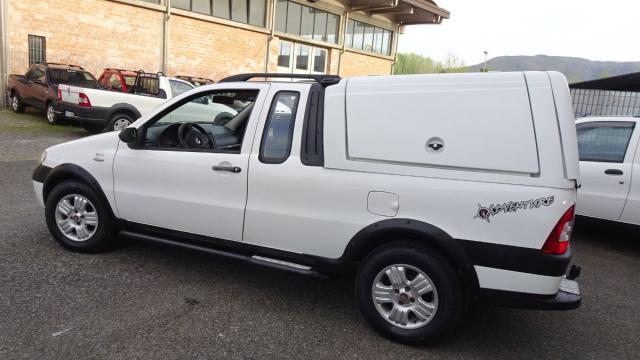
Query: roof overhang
point(403, 12)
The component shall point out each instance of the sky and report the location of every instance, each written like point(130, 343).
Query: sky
point(597, 30)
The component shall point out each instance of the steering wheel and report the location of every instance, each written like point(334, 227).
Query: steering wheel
point(193, 136)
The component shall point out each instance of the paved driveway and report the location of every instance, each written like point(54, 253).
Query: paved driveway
point(148, 302)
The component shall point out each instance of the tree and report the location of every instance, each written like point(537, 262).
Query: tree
point(418, 64)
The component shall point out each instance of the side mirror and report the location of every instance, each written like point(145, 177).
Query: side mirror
point(129, 135)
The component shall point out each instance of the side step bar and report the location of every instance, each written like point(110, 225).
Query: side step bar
point(254, 259)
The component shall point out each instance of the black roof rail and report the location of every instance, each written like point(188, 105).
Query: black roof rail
point(45, 63)
point(324, 80)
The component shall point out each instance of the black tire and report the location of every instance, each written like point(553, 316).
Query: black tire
point(16, 103)
point(50, 115)
point(93, 128)
point(442, 275)
point(117, 120)
point(102, 238)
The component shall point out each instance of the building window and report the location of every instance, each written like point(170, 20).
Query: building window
point(37, 49)
point(307, 22)
point(299, 58)
point(361, 36)
point(250, 12)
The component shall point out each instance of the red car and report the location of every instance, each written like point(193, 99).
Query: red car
point(117, 79)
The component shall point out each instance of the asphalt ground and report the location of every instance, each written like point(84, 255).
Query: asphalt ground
point(142, 301)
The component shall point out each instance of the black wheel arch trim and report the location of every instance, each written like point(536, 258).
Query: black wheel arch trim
point(123, 107)
point(369, 237)
point(50, 177)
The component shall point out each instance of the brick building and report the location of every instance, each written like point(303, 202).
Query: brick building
point(210, 38)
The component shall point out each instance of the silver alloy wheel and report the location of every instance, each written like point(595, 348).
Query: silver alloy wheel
point(14, 103)
point(76, 217)
point(51, 115)
point(405, 296)
point(121, 124)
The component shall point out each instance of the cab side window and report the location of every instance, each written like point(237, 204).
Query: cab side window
point(212, 121)
point(278, 131)
point(604, 141)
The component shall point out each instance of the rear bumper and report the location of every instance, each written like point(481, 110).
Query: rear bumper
point(568, 297)
point(93, 114)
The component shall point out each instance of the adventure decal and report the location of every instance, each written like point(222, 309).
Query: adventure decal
point(485, 213)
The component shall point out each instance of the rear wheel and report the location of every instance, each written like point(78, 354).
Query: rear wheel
point(409, 293)
point(16, 103)
point(119, 122)
point(50, 114)
point(78, 219)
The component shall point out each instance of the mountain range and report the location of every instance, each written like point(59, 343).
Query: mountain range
point(575, 69)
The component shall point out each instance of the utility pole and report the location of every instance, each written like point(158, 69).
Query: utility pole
point(484, 69)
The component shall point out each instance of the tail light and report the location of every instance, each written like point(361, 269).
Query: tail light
point(83, 100)
point(59, 96)
point(558, 240)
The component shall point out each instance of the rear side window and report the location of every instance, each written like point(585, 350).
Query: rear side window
point(604, 142)
point(278, 131)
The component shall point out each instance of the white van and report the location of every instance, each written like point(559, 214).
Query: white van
point(438, 190)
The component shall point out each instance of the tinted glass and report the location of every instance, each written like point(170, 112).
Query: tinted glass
point(348, 40)
point(221, 9)
point(278, 132)
point(294, 15)
point(180, 4)
point(320, 26)
point(257, 9)
point(239, 10)
point(306, 29)
point(284, 56)
point(603, 143)
point(358, 35)
point(319, 60)
point(332, 28)
point(281, 16)
point(302, 57)
point(201, 6)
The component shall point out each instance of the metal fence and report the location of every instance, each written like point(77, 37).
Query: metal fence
point(590, 102)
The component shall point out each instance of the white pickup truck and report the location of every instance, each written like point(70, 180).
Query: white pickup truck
point(438, 190)
point(105, 110)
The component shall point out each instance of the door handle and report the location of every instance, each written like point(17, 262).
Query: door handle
point(233, 169)
point(613, 172)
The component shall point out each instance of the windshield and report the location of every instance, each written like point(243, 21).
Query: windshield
point(179, 87)
point(72, 77)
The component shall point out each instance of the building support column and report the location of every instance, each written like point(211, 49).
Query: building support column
point(399, 30)
point(271, 21)
point(343, 31)
point(165, 37)
point(4, 54)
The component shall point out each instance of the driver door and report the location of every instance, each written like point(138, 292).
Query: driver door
point(197, 191)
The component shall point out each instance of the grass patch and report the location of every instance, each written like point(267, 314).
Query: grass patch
point(32, 122)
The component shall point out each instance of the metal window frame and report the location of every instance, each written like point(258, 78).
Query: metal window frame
point(230, 18)
point(33, 58)
point(351, 31)
point(315, 12)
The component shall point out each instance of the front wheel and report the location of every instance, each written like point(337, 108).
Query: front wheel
point(78, 218)
point(16, 103)
point(409, 293)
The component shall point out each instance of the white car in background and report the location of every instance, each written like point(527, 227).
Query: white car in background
point(609, 168)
